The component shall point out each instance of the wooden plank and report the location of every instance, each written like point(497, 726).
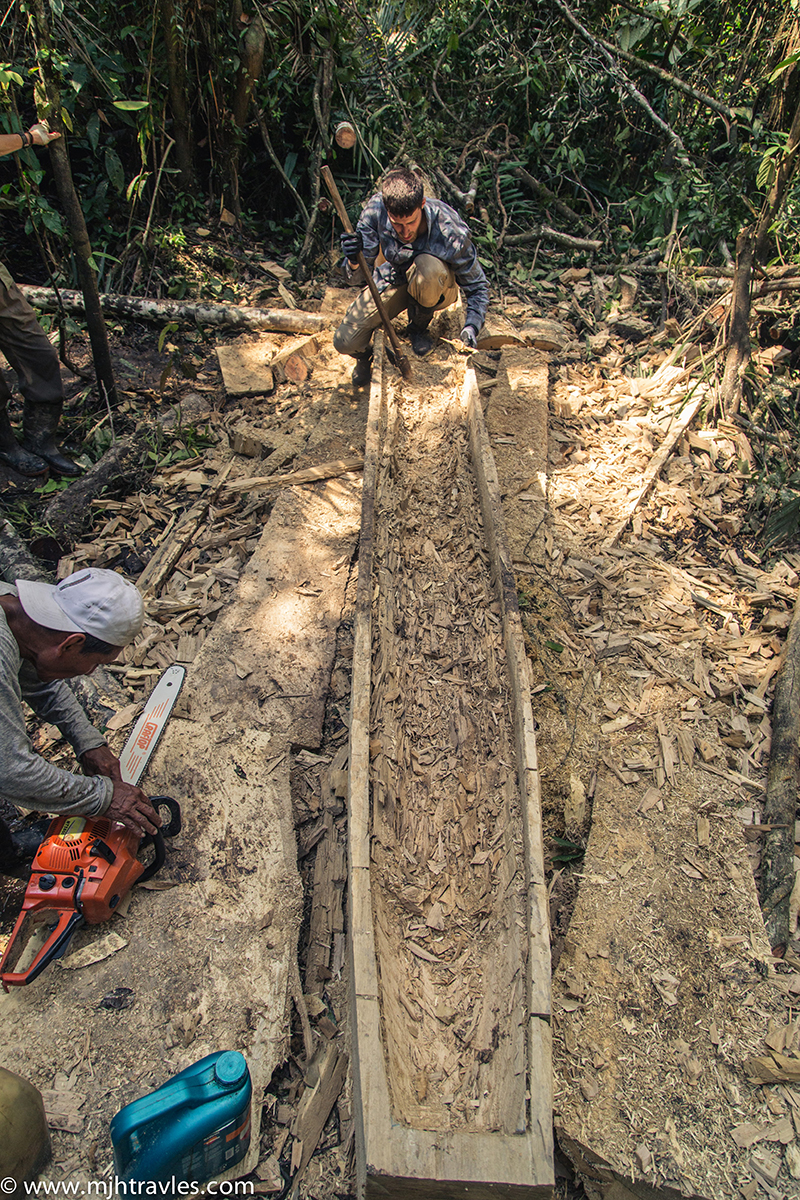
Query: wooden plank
point(245, 366)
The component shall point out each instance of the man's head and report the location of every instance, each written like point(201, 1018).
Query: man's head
point(81, 622)
point(403, 194)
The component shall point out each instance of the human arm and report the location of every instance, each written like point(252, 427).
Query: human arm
point(37, 135)
point(25, 777)
point(367, 228)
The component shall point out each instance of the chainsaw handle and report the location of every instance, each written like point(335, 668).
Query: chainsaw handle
point(55, 946)
point(157, 838)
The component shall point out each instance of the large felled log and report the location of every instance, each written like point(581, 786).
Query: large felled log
point(228, 315)
point(100, 695)
point(777, 872)
point(67, 513)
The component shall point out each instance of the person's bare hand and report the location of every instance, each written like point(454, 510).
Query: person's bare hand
point(42, 134)
point(131, 807)
point(101, 761)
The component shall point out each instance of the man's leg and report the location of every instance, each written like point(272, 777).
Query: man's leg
point(28, 350)
point(10, 450)
point(431, 286)
point(354, 335)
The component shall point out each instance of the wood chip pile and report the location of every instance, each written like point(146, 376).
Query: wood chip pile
point(447, 858)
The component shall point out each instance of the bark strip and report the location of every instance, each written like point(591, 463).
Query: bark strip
point(780, 808)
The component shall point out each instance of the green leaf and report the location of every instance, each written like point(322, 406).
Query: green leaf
point(783, 66)
point(165, 332)
point(7, 76)
point(114, 169)
point(93, 131)
point(555, 647)
point(131, 105)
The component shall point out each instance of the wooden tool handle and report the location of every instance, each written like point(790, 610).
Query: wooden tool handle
point(402, 362)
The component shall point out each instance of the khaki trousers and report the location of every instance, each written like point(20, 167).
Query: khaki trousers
point(429, 282)
point(27, 348)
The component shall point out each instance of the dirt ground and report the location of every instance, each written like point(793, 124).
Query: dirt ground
point(653, 658)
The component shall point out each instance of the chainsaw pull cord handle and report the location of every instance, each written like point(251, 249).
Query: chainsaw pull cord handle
point(157, 838)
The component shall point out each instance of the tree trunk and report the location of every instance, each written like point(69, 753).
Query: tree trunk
point(229, 316)
point(738, 355)
point(778, 188)
point(181, 121)
point(777, 873)
point(321, 98)
point(251, 49)
point(76, 223)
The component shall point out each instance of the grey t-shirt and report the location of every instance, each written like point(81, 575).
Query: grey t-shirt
point(25, 777)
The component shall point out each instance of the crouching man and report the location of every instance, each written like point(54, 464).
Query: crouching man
point(49, 633)
point(429, 255)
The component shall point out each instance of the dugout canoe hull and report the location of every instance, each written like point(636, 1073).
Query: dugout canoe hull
point(395, 1157)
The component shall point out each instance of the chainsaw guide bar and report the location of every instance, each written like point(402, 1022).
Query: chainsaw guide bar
point(146, 732)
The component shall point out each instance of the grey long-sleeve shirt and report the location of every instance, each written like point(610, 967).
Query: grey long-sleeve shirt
point(25, 777)
point(447, 238)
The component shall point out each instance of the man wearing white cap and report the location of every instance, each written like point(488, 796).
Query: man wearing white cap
point(49, 633)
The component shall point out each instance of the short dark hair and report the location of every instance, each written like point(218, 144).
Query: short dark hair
point(402, 192)
point(95, 645)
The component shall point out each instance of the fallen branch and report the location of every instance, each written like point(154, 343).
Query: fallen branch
point(673, 80)
point(777, 870)
point(308, 475)
point(629, 87)
point(544, 232)
point(656, 467)
point(465, 199)
point(227, 315)
point(550, 198)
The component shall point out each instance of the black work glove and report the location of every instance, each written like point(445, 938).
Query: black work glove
point(351, 243)
point(469, 336)
point(397, 277)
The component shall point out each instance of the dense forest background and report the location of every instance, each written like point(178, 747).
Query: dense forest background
point(654, 126)
point(656, 136)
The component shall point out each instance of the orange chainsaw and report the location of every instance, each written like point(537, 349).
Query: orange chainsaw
point(81, 871)
point(86, 865)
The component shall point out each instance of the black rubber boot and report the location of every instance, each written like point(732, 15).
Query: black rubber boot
point(12, 453)
point(39, 425)
point(419, 319)
point(362, 371)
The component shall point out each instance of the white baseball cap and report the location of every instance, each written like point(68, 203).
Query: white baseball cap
point(93, 601)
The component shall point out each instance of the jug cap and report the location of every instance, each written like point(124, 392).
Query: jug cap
point(230, 1068)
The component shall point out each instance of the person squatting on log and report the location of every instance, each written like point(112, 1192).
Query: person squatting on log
point(429, 255)
point(49, 633)
point(29, 351)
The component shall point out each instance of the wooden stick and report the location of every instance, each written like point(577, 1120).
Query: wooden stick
point(656, 467)
point(403, 365)
point(306, 475)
